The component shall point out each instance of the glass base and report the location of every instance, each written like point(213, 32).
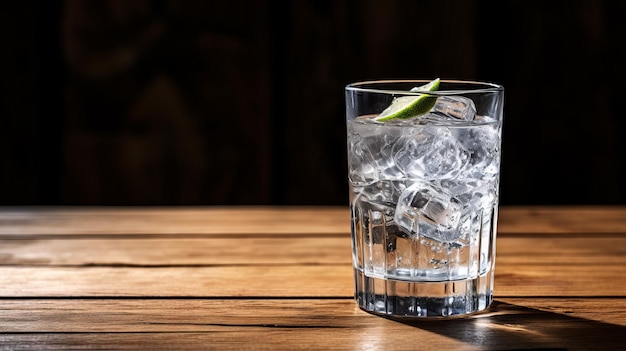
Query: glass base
point(397, 298)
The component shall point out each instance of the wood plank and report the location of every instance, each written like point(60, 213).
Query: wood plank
point(233, 250)
point(234, 338)
point(561, 249)
point(161, 315)
point(173, 220)
point(279, 220)
point(256, 280)
point(284, 280)
point(607, 310)
point(562, 219)
point(184, 251)
point(572, 324)
point(559, 280)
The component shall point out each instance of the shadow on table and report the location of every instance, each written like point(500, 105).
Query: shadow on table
point(512, 327)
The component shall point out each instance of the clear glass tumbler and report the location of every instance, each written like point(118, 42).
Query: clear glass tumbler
point(424, 196)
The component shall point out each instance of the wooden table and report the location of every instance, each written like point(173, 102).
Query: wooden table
point(281, 278)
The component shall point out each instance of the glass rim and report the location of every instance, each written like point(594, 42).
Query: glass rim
point(480, 87)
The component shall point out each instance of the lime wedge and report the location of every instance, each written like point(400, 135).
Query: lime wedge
point(410, 106)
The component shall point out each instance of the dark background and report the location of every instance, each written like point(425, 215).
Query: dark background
point(241, 101)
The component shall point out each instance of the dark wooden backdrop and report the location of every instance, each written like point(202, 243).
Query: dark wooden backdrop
point(241, 101)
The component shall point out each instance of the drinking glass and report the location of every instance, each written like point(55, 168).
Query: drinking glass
point(424, 196)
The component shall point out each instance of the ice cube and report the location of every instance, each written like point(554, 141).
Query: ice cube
point(456, 107)
point(430, 152)
point(457, 186)
point(383, 148)
point(482, 197)
point(370, 153)
point(383, 194)
point(483, 146)
point(424, 209)
point(361, 166)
